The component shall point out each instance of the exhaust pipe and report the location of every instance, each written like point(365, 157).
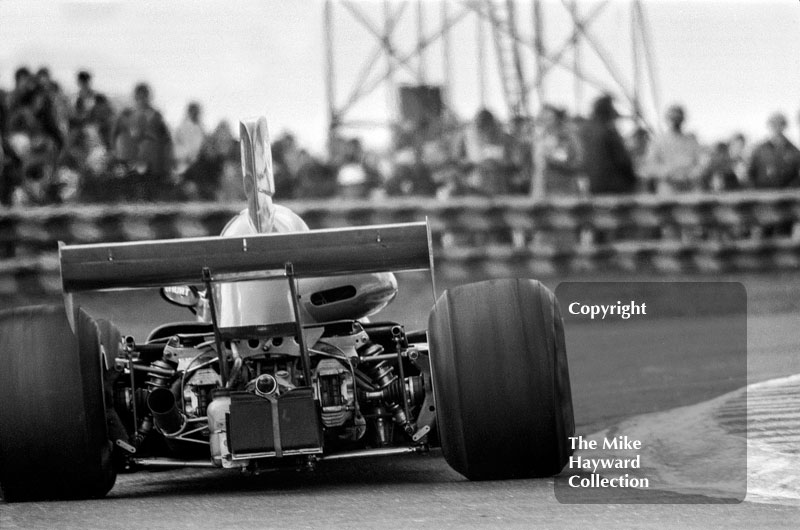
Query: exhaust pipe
point(166, 416)
point(266, 385)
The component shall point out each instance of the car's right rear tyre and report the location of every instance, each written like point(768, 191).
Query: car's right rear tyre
point(53, 434)
point(501, 382)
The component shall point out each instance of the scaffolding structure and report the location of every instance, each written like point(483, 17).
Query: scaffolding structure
point(514, 53)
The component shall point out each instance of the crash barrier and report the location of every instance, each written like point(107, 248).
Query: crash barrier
point(741, 231)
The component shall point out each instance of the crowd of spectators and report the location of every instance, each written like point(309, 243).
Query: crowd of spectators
point(84, 148)
point(569, 156)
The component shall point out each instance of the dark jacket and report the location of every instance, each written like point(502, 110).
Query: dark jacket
point(775, 165)
point(606, 160)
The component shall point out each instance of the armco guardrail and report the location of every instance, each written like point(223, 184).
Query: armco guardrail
point(493, 237)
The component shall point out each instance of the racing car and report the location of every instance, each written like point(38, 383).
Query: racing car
point(285, 361)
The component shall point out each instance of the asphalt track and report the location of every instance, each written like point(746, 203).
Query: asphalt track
point(637, 384)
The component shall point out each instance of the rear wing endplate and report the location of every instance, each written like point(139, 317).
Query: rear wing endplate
point(379, 248)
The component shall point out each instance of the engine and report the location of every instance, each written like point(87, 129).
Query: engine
point(366, 390)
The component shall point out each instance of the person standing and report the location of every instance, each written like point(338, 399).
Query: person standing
point(607, 163)
point(189, 138)
point(775, 162)
point(143, 143)
point(9, 175)
point(7, 158)
point(556, 153)
point(85, 99)
point(36, 135)
point(672, 163)
point(738, 150)
point(485, 151)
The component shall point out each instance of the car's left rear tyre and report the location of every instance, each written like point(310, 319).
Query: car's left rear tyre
point(53, 434)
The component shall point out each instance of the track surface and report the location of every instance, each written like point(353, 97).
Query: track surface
point(403, 492)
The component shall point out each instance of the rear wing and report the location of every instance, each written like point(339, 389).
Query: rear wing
point(379, 248)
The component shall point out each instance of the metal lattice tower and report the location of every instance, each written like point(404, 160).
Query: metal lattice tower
point(514, 47)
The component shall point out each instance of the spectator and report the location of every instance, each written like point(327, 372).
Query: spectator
point(32, 111)
point(798, 121)
point(9, 162)
point(221, 161)
point(56, 98)
point(24, 85)
point(412, 178)
point(45, 82)
point(284, 166)
point(87, 158)
point(314, 180)
point(102, 118)
point(189, 138)
point(35, 136)
point(205, 176)
point(638, 143)
point(738, 152)
point(673, 159)
point(606, 161)
point(84, 100)
point(521, 155)
point(556, 153)
point(485, 151)
point(418, 154)
point(142, 143)
point(87, 155)
point(91, 108)
point(356, 179)
point(717, 172)
point(775, 163)
point(9, 174)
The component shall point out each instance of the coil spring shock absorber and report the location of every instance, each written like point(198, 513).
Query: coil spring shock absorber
point(389, 387)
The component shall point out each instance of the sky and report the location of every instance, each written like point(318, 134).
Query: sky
point(731, 63)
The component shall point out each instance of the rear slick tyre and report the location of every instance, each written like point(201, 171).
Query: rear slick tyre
point(53, 434)
point(501, 381)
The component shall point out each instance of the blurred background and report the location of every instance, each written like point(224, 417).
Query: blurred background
point(539, 137)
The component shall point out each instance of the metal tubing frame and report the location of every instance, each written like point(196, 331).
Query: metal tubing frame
point(602, 53)
point(372, 452)
point(556, 59)
point(647, 44)
point(538, 46)
point(447, 67)
point(403, 393)
point(545, 61)
point(421, 62)
point(172, 462)
point(497, 37)
point(634, 24)
point(133, 397)
point(223, 362)
point(403, 61)
point(390, 21)
point(481, 36)
point(305, 358)
point(384, 45)
point(330, 76)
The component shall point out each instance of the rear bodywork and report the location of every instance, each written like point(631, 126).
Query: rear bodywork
point(324, 383)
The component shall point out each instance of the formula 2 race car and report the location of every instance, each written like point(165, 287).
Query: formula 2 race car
point(281, 366)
